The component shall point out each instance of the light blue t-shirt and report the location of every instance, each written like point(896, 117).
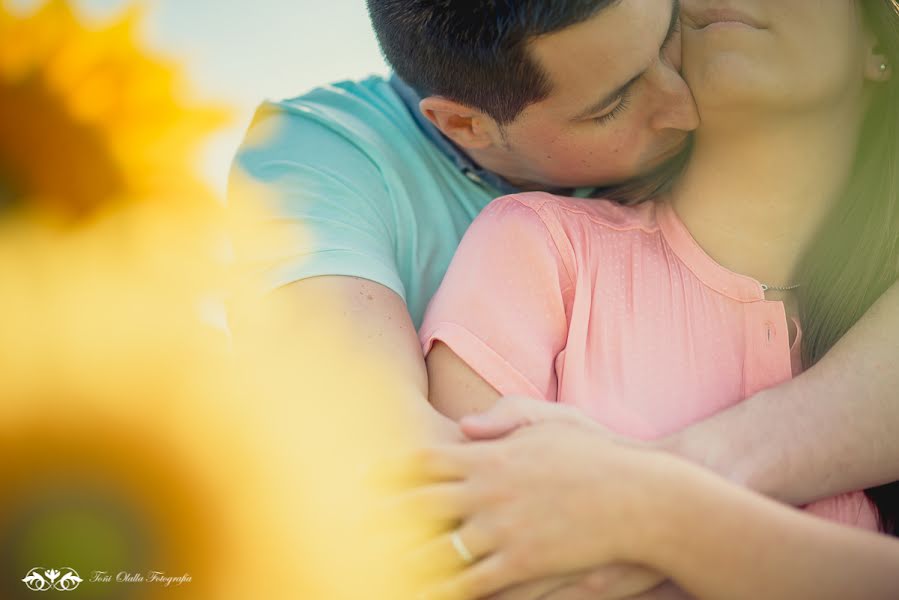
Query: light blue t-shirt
point(353, 186)
point(356, 182)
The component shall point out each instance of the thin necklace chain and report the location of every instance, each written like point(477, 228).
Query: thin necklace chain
point(775, 288)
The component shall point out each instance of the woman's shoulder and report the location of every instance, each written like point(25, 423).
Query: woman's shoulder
point(579, 213)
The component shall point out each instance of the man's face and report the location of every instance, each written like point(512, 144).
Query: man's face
point(618, 106)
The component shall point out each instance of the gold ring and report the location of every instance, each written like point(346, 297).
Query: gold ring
point(461, 548)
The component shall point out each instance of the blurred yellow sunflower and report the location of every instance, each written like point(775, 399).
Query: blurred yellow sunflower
point(134, 441)
point(88, 119)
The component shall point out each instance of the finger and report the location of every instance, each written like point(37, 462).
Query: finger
point(442, 501)
point(421, 514)
point(574, 592)
point(666, 591)
point(407, 469)
point(439, 558)
point(487, 427)
point(506, 415)
point(542, 588)
point(487, 576)
point(616, 581)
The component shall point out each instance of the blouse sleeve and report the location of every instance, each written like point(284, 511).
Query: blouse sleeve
point(502, 304)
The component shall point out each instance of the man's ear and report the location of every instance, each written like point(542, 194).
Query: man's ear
point(467, 127)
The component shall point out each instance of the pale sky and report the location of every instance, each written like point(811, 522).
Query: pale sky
point(242, 51)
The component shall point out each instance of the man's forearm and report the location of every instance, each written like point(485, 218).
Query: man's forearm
point(829, 431)
point(324, 331)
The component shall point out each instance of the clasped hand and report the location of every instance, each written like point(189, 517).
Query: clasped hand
point(541, 502)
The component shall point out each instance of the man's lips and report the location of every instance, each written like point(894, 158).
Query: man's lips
point(704, 18)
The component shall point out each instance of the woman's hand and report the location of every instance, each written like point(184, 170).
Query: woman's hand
point(550, 499)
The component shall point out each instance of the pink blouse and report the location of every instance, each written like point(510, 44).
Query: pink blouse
point(617, 311)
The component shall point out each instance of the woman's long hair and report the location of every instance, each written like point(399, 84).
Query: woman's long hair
point(854, 257)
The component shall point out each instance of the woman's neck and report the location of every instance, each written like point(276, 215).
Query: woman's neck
point(753, 196)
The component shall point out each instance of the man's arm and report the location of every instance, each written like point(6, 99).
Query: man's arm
point(371, 325)
point(829, 431)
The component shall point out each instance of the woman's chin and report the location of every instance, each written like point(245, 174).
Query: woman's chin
point(726, 81)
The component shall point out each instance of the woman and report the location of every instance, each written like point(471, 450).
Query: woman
point(780, 234)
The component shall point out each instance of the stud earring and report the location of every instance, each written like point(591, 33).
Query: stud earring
point(883, 67)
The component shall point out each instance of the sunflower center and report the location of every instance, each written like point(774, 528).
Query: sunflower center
point(8, 194)
point(81, 528)
point(53, 159)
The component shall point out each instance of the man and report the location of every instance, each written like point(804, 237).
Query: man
point(378, 180)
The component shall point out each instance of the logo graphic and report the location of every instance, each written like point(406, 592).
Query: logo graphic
point(40, 579)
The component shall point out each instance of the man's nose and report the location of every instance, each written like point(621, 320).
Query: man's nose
point(676, 108)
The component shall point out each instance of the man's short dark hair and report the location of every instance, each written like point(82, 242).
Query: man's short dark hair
point(474, 52)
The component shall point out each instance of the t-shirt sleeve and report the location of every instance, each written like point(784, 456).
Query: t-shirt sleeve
point(306, 201)
point(502, 304)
